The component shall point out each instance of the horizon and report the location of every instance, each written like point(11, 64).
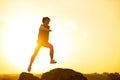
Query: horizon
point(85, 35)
point(56, 68)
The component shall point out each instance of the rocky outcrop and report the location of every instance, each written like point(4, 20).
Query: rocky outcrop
point(55, 74)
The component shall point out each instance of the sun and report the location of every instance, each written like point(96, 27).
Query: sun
point(17, 46)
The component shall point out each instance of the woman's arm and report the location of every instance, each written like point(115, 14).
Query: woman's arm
point(43, 28)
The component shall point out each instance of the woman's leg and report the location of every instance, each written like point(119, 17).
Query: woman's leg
point(33, 56)
point(48, 45)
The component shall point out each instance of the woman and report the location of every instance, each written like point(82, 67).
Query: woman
point(43, 37)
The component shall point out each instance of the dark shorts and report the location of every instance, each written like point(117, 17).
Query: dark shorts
point(44, 43)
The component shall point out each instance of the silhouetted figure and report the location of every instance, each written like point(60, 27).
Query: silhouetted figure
point(43, 37)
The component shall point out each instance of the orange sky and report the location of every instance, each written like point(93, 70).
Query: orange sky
point(85, 35)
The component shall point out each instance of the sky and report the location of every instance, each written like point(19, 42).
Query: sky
point(85, 35)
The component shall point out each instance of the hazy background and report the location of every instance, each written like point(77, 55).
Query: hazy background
point(85, 35)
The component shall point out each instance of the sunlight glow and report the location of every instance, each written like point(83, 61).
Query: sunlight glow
point(85, 35)
point(20, 41)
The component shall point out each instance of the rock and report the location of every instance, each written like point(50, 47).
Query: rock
point(55, 74)
point(27, 76)
point(62, 74)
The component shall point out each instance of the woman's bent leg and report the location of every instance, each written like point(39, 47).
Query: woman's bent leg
point(48, 45)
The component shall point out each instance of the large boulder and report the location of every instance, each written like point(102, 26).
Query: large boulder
point(62, 74)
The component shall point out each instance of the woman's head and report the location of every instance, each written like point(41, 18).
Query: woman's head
point(46, 20)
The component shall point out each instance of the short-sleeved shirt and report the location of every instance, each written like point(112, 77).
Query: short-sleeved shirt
point(43, 36)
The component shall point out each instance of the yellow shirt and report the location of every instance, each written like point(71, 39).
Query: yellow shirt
point(43, 35)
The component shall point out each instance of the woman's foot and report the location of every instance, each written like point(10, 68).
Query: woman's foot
point(53, 61)
point(29, 68)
